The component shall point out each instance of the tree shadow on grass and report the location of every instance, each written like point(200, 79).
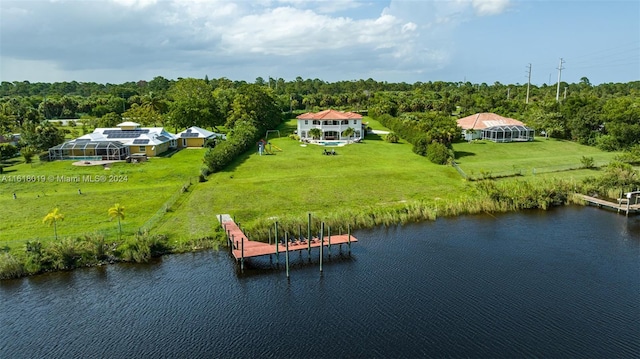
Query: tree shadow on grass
point(373, 137)
point(460, 154)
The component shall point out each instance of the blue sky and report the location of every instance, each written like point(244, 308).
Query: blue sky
point(113, 41)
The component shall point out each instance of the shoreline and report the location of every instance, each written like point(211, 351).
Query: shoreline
point(156, 245)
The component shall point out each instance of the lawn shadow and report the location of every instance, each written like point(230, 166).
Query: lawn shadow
point(286, 128)
point(231, 167)
point(373, 137)
point(460, 154)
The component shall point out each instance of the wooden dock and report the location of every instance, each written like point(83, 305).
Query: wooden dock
point(243, 248)
point(624, 205)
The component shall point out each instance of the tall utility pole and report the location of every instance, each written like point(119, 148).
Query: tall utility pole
point(560, 68)
point(528, 84)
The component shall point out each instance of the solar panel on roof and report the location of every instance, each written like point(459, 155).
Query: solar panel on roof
point(191, 134)
point(162, 138)
point(140, 142)
point(124, 133)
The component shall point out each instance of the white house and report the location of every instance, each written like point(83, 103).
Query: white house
point(332, 123)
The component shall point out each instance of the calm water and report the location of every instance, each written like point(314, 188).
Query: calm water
point(564, 283)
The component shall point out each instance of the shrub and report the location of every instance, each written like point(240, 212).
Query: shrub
point(210, 143)
point(587, 162)
point(241, 138)
point(7, 150)
point(68, 253)
point(391, 137)
point(10, 267)
point(420, 146)
point(142, 247)
point(438, 153)
point(28, 153)
point(33, 260)
point(134, 250)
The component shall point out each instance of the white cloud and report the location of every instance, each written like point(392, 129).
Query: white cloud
point(139, 4)
point(490, 7)
point(285, 36)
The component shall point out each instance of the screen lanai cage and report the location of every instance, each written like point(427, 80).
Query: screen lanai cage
point(95, 150)
point(508, 133)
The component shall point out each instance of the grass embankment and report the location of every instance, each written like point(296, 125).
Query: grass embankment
point(142, 188)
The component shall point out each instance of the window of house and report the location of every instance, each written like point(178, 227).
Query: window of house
point(355, 122)
point(306, 122)
point(142, 149)
point(316, 122)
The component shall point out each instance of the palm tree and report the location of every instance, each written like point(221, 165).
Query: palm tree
point(117, 211)
point(315, 133)
point(52, 218)
point(348, 133)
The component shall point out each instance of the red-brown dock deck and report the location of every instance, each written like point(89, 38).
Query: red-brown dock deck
point(245, 248)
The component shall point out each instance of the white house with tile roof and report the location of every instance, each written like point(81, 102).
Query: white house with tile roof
point(332, 123)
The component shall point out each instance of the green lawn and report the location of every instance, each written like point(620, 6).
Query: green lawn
point(301, 179)
point(289, 183)
point(141, 188)
point(539, 156)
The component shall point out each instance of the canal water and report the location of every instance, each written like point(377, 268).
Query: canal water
point(563, 283)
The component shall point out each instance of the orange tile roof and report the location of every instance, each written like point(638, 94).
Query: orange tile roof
point(484, 120)
point(329, 115)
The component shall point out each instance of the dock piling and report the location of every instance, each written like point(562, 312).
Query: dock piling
point(309, 238)
point(321, 237)
point(329, 236)
point(277, 246)
point(286, 239)
point(349, 236)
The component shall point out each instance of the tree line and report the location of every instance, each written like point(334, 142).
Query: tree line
point(605, 115)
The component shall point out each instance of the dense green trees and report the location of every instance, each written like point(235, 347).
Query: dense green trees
point(604, 115)
point(41, 136)
point(254, 110)
point(193, 104)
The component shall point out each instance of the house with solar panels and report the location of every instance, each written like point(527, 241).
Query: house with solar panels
point(196, 137)
point(128, 138)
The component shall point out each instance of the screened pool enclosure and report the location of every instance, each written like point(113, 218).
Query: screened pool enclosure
point(89, 150)
point(508, 133)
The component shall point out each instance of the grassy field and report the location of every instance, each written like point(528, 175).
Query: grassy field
point(527, 158)
point(143, 189)
point(292, 181)
point(300, 179)
point(367, 175)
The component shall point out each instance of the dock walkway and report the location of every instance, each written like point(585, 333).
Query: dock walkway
point(623, 204)
point(244, 248)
